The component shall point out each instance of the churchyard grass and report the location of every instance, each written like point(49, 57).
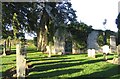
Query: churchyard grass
point(64, 66)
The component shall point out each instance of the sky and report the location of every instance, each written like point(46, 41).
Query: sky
point(93, 12)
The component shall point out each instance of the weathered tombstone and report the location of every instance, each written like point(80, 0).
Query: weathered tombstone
point(105, 51)
point(75, 50)
point(118, 50)
point(112, 44)
point(91, 53)
point(59, 43)
point(92, 44)
point(116, 60)
point(68, 47)
point(20, 61)
point(21, 56)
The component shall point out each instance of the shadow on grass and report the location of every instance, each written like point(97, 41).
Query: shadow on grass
point(8, 74)
point(39, 67)
point(107, 73)
point(8, 63)
point(44, 58)
point(54, 73)
point(58, 62)
point(101, 55)
point(32, 50)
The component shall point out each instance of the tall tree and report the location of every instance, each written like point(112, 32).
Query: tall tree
point(118, 26)
point(37, 17)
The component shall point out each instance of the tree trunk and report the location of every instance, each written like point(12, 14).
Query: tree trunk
point(8, 45)
point(42, 33)
point(50, 50)
point(42, 41)
point(118, 37)
point(4, 49)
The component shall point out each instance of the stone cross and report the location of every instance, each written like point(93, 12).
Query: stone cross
point(20, 61)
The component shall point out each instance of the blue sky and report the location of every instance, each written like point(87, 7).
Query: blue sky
point(93, 12)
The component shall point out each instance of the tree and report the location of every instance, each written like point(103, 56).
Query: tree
point(80, 33)
point(104, 33)
point(37, 18)
point(118, 26)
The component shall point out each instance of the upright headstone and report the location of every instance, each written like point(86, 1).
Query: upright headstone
point(75, 50)
point(118, 50)
point(59, 43)
point(20, 61)
point(91, 53)
point(105, 51)
point(112, 44)
point(68, 47)
point(116, 60)
point(92, 44)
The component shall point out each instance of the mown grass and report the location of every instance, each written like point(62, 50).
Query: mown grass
point(65, 66)
point(72, 66)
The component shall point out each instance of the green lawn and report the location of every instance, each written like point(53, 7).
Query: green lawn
point(65, 66)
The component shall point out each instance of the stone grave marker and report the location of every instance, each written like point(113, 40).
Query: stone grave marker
point(118, 50)
point(91, 53)
point(112, 44)
point(92, 44)
point(116, 60)
point(68, 47)
point(105, 51)
point(59, 43)
point(20, 61)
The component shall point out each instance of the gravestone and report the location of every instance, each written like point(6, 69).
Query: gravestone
point(68, 47)
point(105, 51)
point(75, 50)
point(118, 50)
point(116, 60)
point(20, 61)
point(59, 46)
point(50, 50)
point(112, 44)
point(91, 53)
point(92, 44)
point(59, 43)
